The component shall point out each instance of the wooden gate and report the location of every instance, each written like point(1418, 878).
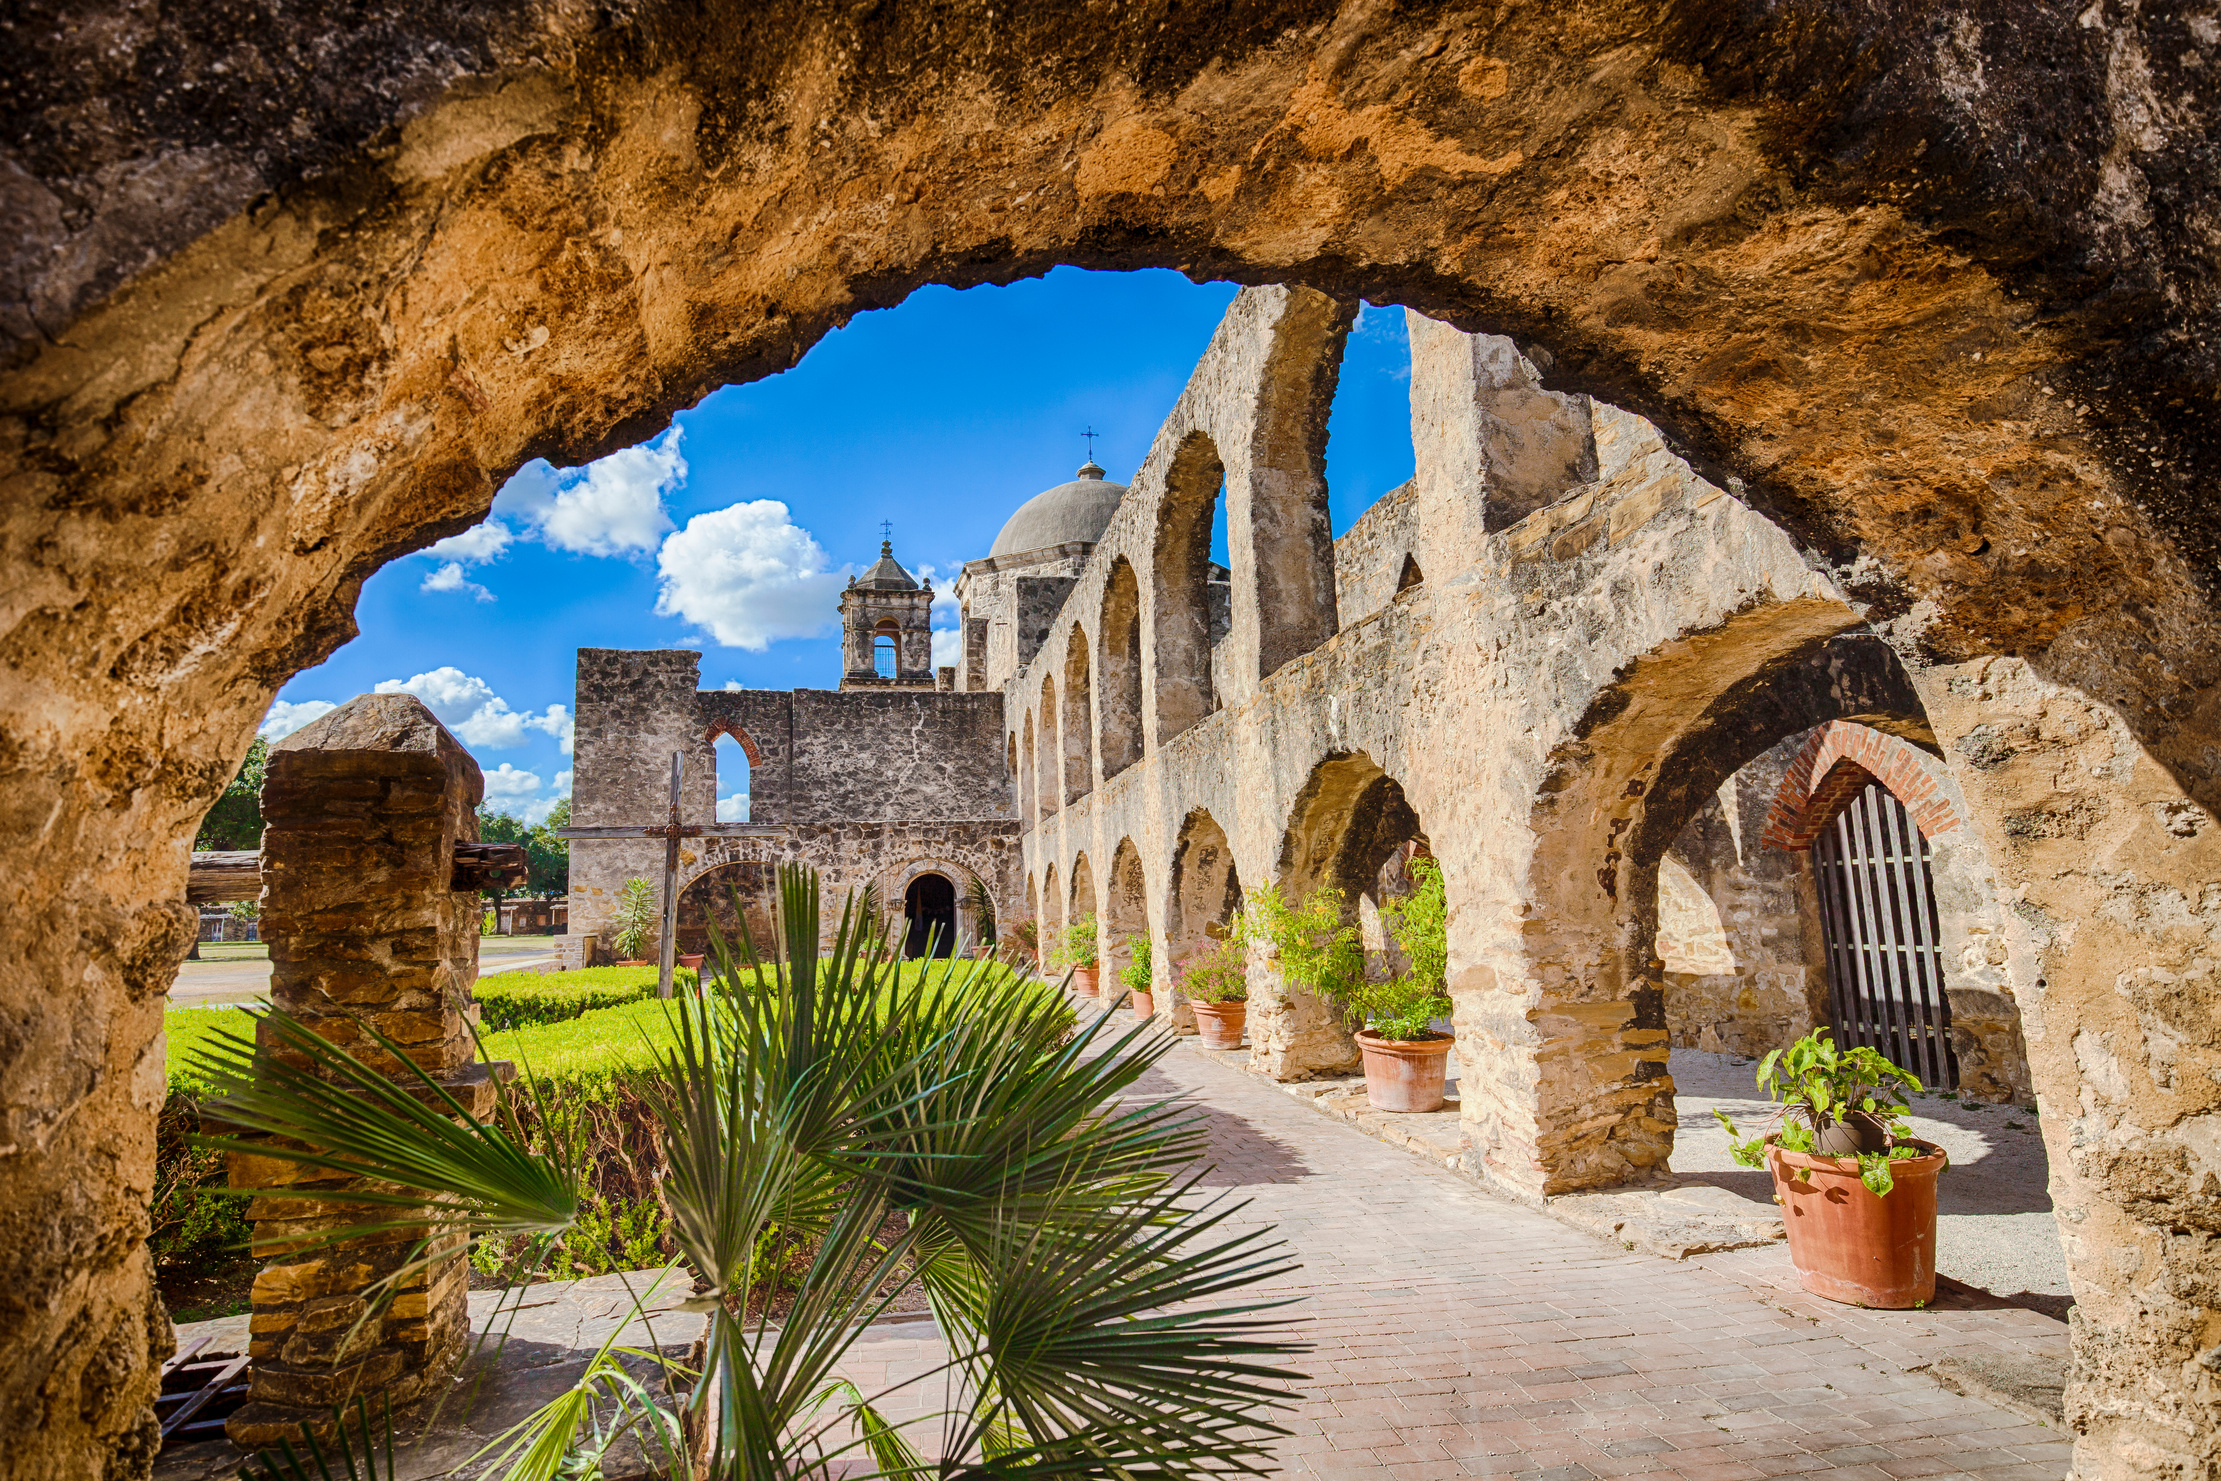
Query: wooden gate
point(1878, 916)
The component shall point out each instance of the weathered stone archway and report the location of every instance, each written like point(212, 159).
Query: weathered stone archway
point(1203, 895)
point(1125, 913)
point(1945, 309)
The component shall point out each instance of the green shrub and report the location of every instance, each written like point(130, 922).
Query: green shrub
point(1220, 975)
point(1405, 1007)
point(1078, 947)
point(633, 922)
point(1137, 974)
point(510, 1000)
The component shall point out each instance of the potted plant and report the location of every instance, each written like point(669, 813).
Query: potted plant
point(1138, 976)
point(1078, 953)
point(1025, 942)
point(1857, 1192)
point(633, 922)
point(1216, 984)
point(1406, 1061)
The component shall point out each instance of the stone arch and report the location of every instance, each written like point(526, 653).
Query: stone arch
point(1052, 911)
point(1203, 895)
point(741, 737)
point(1351, 828)
point(1179, 654)
point(1010, 770)
point(1078, 722)
point(1083, 901)
point(1284, 591)
point(1048, 781)
point(1118, 695)
point(1653, 746)
point(398, 434)
point(1125, 913)
point(711, 896)
point(929, 903)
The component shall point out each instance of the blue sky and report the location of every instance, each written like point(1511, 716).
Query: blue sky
point(734, 531)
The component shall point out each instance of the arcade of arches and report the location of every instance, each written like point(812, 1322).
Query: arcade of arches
point(1919, 305)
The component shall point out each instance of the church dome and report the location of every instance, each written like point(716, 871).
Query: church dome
point(1079, 510)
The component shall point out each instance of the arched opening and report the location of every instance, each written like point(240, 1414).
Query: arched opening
point(886, 650)
point(1049, 781)
point(1052, 912)
point(1181, 573)
point(1079, 721)
point(1083, 890)
point(1125, 917)
point(1028, 813)
point(1204, 894)
point(1410, 576)
point(1288, 596)
point(1118, 697)
point(1033, 918)
point(734, 753)
point(929, 917)
point(1011, 775)
point(1353, 830)
point(727, 896)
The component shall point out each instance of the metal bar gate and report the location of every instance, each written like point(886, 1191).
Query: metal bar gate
point(1878, 916)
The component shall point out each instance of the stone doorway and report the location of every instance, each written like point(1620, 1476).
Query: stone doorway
point(929, 906)
point(728, 895)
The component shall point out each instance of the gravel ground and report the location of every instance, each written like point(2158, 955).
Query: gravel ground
point(1994, 1228)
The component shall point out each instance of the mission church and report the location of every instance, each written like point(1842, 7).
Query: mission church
point(898, 780)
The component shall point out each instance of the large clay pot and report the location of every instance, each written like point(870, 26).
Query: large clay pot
point(1221, 1024)
point(1144, 1005)
point(1850, 1245)
point(692, 961)
point(1083, 981)
point(1405, 1076)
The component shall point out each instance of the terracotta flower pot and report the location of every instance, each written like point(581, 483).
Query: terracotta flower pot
point(1850, 1245)
point(1083, 980)
point(692, 961)
point(1144, 1005)
point(1401, 1076)
point(1221, 1024)
point(633, 961)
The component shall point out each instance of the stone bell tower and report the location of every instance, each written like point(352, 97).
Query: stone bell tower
point(886, 608)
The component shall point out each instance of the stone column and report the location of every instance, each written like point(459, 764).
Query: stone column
point(367, 929)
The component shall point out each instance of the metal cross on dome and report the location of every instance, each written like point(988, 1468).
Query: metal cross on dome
point(671, 833)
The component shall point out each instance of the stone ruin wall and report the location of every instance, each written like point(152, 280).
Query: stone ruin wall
point(1569, 687)
point(864, 787)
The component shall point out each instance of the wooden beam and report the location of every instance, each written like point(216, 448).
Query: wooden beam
point(223, 876)
point(237, 875)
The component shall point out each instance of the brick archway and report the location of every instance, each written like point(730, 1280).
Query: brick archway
point(1839, 759)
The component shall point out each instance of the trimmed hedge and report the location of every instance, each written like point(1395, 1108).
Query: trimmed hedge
point(509, 1000)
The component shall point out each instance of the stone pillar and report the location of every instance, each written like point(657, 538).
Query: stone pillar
point(366, 928)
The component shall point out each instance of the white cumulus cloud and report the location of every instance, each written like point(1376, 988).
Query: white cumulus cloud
point(508, 781)
point(286, 717)
point(948, 647)
point(474, 546)
point(450, 578)
point(467, 705)
point(733, 809)
point(613, 506)
point(563, 784)
point(747, 575)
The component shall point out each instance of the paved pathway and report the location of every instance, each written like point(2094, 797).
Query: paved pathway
point(1458, 1334)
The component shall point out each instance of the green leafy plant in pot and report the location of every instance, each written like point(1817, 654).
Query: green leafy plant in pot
point(1138, 976)
point(1215, 981)
point(1857, 1190)
point(1078, 951)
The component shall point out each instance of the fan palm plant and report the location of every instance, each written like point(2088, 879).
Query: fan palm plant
point(953, 1134)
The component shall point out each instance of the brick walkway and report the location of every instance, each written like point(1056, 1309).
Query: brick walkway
point(1458, 1334)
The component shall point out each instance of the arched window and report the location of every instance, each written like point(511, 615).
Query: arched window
point(885, 660)
point(732, 779)
point(929, 906)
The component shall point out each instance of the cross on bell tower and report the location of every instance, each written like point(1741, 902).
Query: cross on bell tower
point(887, 625)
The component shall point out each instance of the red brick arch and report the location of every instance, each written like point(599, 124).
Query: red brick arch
point(734, 729)
point(1837, 761)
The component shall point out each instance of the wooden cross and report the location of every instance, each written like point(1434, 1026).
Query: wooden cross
point(671, 833)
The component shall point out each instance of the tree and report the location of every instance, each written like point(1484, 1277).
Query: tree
point(235, 822)
point(547, 857)
point(955, 1132)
